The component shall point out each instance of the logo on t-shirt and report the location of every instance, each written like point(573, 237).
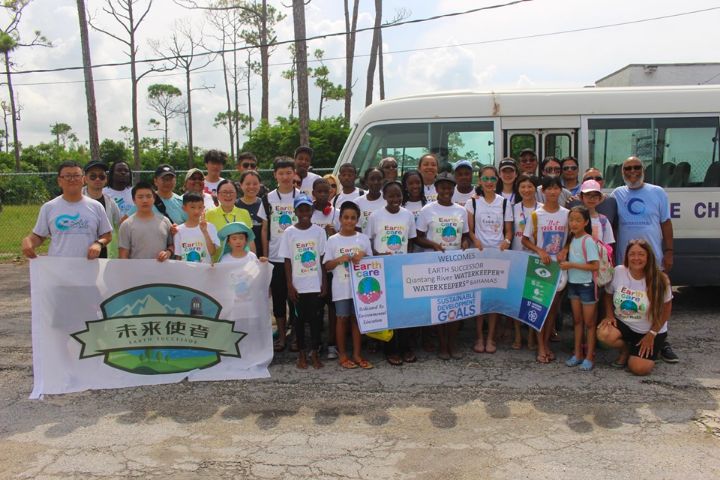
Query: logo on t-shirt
point(66, 223)
point(636, 206)
point(193, 251)
point(305, 257)
point(393, 237)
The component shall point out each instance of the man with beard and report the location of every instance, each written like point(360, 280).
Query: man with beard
point(644, 213)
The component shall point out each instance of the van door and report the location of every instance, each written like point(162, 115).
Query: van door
point(556, 142)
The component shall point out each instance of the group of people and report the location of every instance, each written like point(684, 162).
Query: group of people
point(311, 228)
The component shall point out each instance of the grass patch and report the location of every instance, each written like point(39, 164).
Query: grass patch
point(16, 222)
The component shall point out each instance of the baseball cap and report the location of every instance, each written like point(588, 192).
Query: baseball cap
point(508, 162)
point(527, 150)
point(302, 199)
point(95, 163)
point(164, 170)
point(192, 172)
point(590, 186)
point(445, 177)
point(463, 164)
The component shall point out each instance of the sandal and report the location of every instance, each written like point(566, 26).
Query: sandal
point(542, 359)
point(409, 357)
point(349, 364)
point(394, 360)
point(617, 364)
point(586, 365)
point(364, 364)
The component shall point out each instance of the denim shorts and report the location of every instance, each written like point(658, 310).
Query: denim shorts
point(584, 291)
point(344, 308)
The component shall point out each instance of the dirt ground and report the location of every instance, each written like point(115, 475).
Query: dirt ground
point(484, 416)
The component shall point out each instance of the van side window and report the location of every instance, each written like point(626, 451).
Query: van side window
point(677, 152)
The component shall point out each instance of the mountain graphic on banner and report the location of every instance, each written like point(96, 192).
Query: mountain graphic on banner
point(145, 306)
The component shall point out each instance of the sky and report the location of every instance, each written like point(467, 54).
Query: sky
point(473, 51)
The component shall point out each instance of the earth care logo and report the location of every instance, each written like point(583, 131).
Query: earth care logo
point(393, 237)
point(448, 228)
point(368, 286)
point(306, 254)
point(158, 329)
point(285, 216)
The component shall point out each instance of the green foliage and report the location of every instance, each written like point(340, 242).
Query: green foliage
point(23, 189)
point(327, 137)
point(112, 151)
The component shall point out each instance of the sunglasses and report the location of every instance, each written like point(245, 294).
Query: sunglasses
point(552, 170)
point(249, 165)
point(630, 168)
point(488, 179)
point(97, 176)
point(391, 167)
point(597, 179)
point(570, 168)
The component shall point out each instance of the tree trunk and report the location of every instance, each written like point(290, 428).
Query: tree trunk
point(350, 27)
point(249, 97)
point(229, 106)
point(134, 95)
point(302, 73)
point(13, 113)
point(373, 54)
point(236, 84)
point(191, 151)
point(381, 69)
point(264, 65)
point(89, 84)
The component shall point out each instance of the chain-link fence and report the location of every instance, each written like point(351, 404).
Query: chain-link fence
point(22, 194)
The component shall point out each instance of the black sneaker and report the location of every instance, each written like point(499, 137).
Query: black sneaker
point(667, 354)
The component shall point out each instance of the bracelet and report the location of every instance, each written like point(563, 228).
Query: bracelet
point(653, 333)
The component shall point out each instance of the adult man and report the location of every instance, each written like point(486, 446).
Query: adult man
point(168, 203)
point(77, 225)
point(303, 158)
point(607, 205)
point(95, 180)
point(528, 162)
point(248, 161)
point(214, 164)
point(644, 212)
point(119, 186)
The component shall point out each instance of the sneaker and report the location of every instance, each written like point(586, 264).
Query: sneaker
point(332, 352)
point(667, 354)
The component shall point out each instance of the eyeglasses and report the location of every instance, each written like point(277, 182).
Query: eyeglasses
point(391, 167)
point(249, 165)
point(630, 168)
point(597, 179)
point(97, 176)
point(569, 168)
point(227, 192)
point(552, 170)
point(70, 177)
point(488, 179)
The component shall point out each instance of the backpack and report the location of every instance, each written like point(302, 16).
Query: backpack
point(604, 274)
point(268, 210)
point(334, 203)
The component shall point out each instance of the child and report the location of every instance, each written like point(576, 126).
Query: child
point(145, 234)
point(373, 199)
point(437, 229)
point(508, 176)
point(342, 248)
point(491, 221)
point(214, 164)
point(347, 176)
point(236, 238)
point(391, 229)
point(464, 190)
point(591, 196)
point(545, 235)
point(302, 247)
point(583, 260)
point(250, 185)
point(279, 211)
point(303, 159)
point(196, 240)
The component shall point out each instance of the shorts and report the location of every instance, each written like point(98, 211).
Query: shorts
point(632, 338)
point(344, 308)
point(583, 291)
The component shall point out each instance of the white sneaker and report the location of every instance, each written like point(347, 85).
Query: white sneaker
point(332, 352)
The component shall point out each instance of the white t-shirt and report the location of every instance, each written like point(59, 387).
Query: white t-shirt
point(344, 197)
point(489, 220)
point(462, 198)
point(208, 201)
point(211, 187)
point(430, 193)
point(521, 215)
point(282, 216)
point(552, 230)
point(122, 198)
point(366, 208)
point(630, 300)
point(604, 234)
point(443, 224)
point(190, 243)
point(307, 183)
point(322, 220)
point(71, 226)
point(414, 208)
point(305, 249)
point(248, 258)
point(391, 232)
point(337, 246)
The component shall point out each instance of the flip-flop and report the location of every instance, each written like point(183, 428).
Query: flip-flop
point(409, 357)
point(617, 364)
point(364, 364)
point(349, 364)
point(573, 361)
point(542, 359)
point(586, 365)
point(394, 360)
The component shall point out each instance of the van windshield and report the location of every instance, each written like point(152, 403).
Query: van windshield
point(407, 142)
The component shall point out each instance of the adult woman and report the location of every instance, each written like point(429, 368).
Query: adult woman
point(389, 167)
point(227, 212)
point(638, 302)
point(195, 182)
point(428, 168)
point(551, 167)
point(508, 175)
point(570, 172)
point(333, 182)
point(251, 185)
